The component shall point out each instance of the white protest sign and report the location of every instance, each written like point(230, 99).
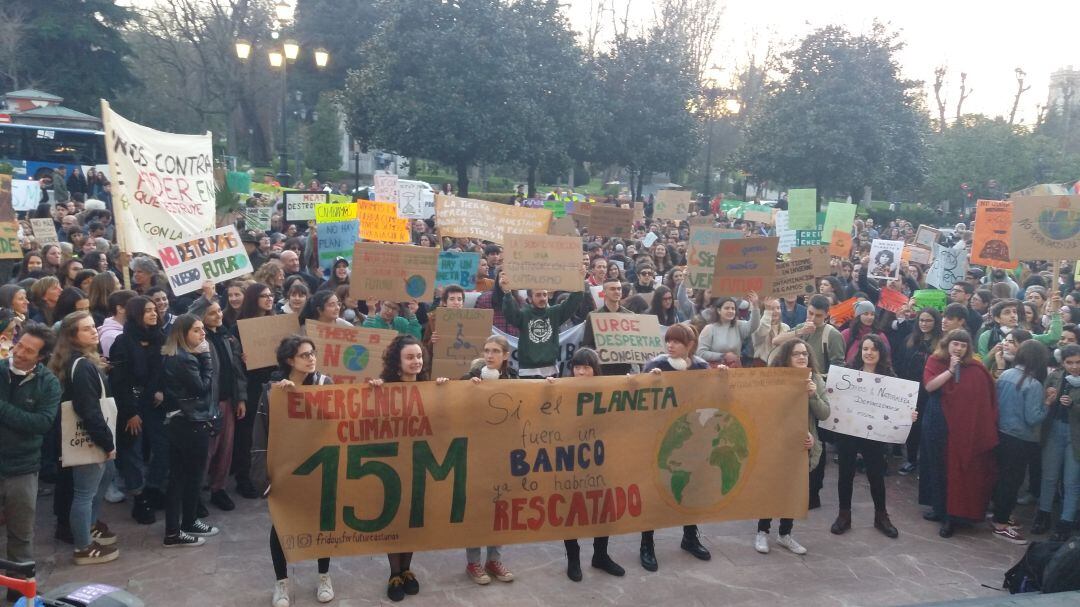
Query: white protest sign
point(215, 256)
point(300, 206)
point(163, 184)
point(649, 239)
point(386, 188)
point(415, 200)
point(787, 235)
point(885, 259)
point(25, 194)
point(949, 267)
point(870, 406)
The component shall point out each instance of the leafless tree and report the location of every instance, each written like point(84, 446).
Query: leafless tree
point(1020, 90)
point(965, 92)
point(12, 34)
point(697, 22)
point(939, 82)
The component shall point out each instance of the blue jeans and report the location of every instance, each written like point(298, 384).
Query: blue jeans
point(129, 460)
point(90, 482)
point(1059, 463)
point(155, 437)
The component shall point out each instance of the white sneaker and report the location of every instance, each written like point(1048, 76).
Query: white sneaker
point(761, 542)
point(281, 594)
point(789, 542)
point(114, 495)
point(325, 592)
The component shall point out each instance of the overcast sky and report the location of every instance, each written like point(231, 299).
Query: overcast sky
point(988, 40)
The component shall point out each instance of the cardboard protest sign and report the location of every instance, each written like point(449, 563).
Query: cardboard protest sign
point(840, 216)
point(891, 300)
point(163, 183)
point(551, 263)
point(415, 200)
point(758, 212)
point(701, 253)
point(7, 204)
point(386, 187)
point(348, 354)
point(949, 267)
point(926, 237)
point(457, 269)
point(1046, 227)
point(627, 338)
point(929, 298)
point(300, 206)
point(811, 237)
point(840, 244)
point(784, 232)
point(261, 336)
point(818, 254)
point(257, 218)
point(702, 446)
point(44, 231)
point(9, 241)
point(885, 259)
point(393, 272)
point(468, 218)
point(462, 334)
point(606, 220)
point(563, 226)
point(338, 232)
point(991, 242)
point(866, 405)
point(379, 222)
point(744, 265)
point(914, 254)
point(793, 277)
point(843, 311)
point(216, 256)
point(802, 209)
point(672, 204)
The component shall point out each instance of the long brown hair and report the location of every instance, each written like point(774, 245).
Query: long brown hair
point(66, 347)
point(942, 350)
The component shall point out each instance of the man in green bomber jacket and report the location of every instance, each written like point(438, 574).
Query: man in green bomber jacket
point(29, 401)
point(538, 323)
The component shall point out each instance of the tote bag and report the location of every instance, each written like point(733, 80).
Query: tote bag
point(76, 446)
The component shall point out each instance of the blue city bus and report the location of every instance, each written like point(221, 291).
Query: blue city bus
point(32, 150)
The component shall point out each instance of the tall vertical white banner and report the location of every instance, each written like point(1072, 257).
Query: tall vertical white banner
point(162, 183)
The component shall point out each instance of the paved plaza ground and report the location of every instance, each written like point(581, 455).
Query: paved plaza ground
point(862, 567)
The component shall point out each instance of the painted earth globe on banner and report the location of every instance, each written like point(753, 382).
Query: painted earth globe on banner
point(356, 358)
point(701, 458)
point(415, 286)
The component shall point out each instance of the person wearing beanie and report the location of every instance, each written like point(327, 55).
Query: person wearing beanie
point(860, 325)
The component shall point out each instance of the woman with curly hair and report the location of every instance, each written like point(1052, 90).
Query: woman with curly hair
point(403, 361)
point(271, 274)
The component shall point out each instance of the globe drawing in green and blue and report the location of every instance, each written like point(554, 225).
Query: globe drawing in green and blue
point(355, 357)
point(1059, 224)
point(701, 457)
point(415, 286)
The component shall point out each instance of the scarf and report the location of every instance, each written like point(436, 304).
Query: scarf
point(487, 373)
point(679, 364)
point(1074, 380)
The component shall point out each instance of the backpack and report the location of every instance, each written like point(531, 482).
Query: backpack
point(1027, 575)
point(1062, 573)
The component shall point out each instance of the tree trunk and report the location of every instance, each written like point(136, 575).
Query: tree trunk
point(532, 180)
point(463, 179)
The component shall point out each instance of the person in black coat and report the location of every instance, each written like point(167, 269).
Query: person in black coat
point(188, 379)
point(135, 378)
point(77, 365)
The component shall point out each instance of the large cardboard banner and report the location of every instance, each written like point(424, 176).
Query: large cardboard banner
point(839, 216)
point(802, 209)
point(992, 240)
point(457, 269)
point(627, 338)
point(261, 336)
point(606, 220)
point(545, 262)
point(468, 218)
point(870, 406)
point(672, 204)
point(216, 256)
point(744, 265)
point(356, 469)
point(393, 272)
point(701, 253)
point(300, 206)
point(885, 259)
point(348, 354)
point(461, 340)
point(1046, 227)
point(162, 183)
point(949, 267)
point(379, 221)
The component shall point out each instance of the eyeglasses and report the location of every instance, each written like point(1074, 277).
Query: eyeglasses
point(646, 274)
point(266, 296)
point(800, 354)
point(309, 355)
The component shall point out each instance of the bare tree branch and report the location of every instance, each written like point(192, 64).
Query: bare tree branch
point(1020, 90)
point(964, 94)
point(939, 82)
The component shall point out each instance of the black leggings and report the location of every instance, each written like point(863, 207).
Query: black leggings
point(189, 447)
point(873, 453)
point(281, 566)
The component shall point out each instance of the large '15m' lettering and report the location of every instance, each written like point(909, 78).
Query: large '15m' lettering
point(423, 462)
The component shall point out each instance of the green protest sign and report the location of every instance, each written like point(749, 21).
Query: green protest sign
point(930, 298)
point(802, 204)
point(840, 216)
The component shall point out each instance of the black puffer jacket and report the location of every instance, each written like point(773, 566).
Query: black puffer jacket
point(188, 380)
point(135, 358)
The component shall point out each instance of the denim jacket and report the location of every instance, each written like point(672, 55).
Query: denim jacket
point(1020, 408)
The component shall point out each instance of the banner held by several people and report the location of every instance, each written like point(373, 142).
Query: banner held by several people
point(216, 256)
point(468, 218)
point(531, 461)
point(163, 184)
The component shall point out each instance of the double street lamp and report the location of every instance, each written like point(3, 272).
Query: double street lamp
point(280, 57)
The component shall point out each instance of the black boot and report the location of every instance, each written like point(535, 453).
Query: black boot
point(947, 528)
point(154, 497)
point(1041, 524)
point(815, 501)
point(142, 512)
point(245, 489)
point(573, 561)
point(648, 553)
point(602, 561)
point(884, 525)
point(842, 522)
point(692, 544)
